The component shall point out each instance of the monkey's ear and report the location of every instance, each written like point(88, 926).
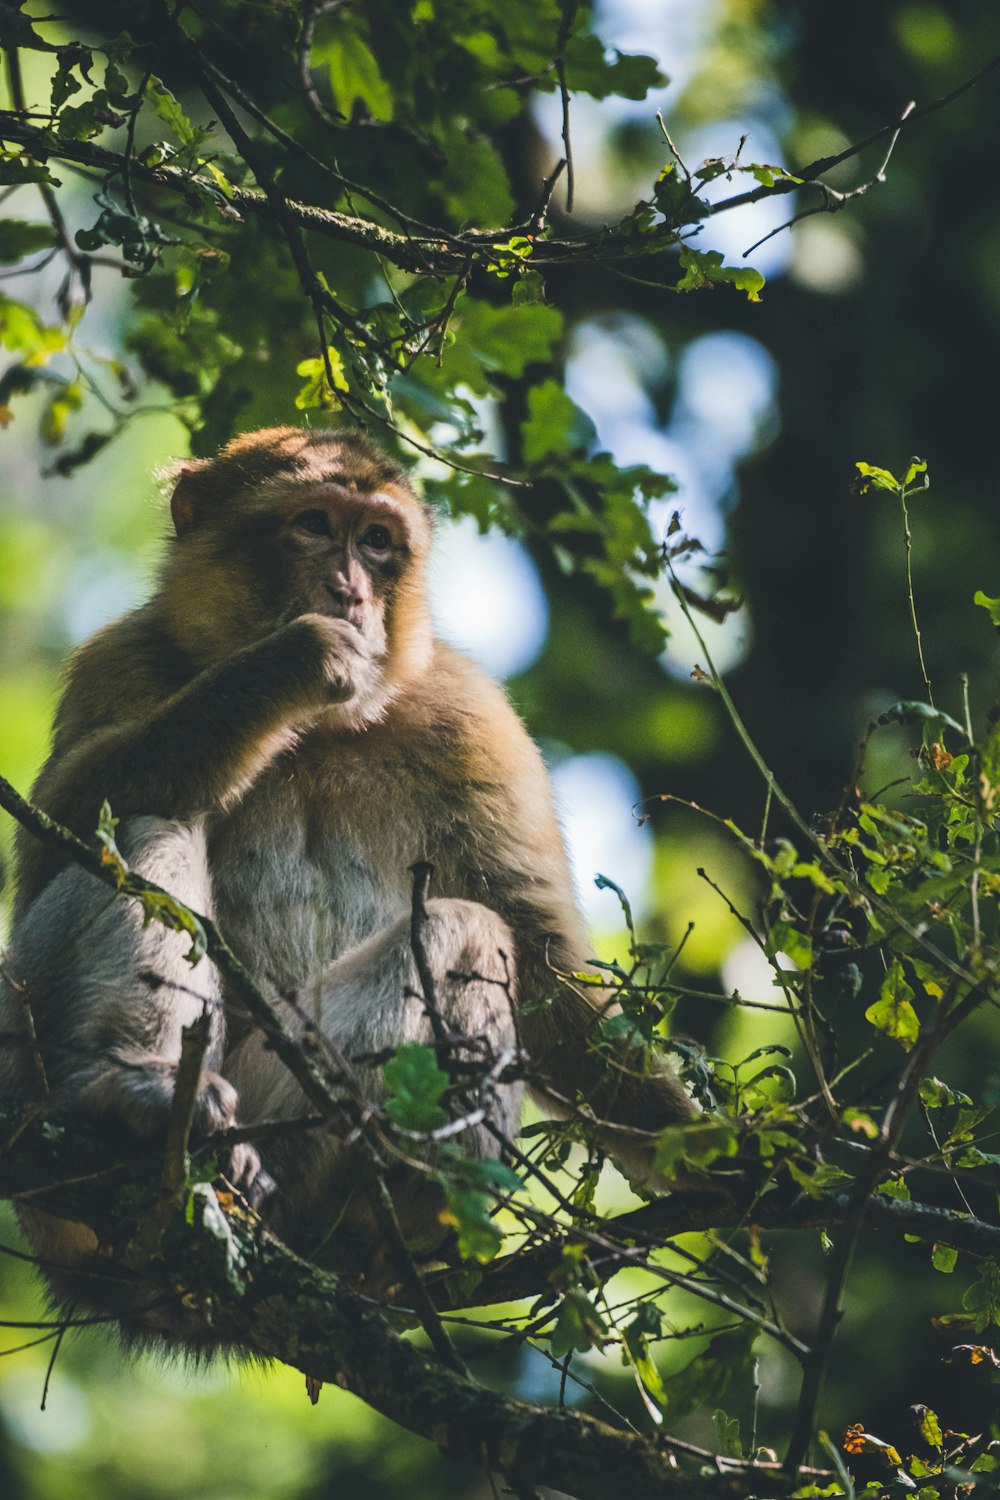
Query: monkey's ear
point(184, 499)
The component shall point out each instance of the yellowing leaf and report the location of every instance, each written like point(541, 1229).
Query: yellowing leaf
point(318, 390)
point(893, 1013)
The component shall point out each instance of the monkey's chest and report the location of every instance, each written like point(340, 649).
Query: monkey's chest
point(298, 879)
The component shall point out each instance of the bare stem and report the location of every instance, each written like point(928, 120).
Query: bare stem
point(908, 541)
point(176, 1153)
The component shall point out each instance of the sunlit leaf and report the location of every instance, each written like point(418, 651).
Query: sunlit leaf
point(416, 1084)
point(893, 1013)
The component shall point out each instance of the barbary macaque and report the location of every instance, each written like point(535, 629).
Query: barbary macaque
point(282, 737)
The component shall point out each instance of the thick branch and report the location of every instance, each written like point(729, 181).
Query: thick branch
point(648, 1228)
point(286, 1309)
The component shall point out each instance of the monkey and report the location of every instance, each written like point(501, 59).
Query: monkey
point(282, 737)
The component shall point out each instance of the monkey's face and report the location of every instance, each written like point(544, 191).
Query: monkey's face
point(339, 534)
point(337, 551)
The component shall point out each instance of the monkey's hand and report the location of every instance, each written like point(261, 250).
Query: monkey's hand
point(342, 662)
point(140, 1092)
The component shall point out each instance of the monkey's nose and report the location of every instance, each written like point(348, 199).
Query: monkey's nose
point(344, 595)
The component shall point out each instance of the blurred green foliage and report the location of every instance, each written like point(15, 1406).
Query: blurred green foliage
point(879, 322)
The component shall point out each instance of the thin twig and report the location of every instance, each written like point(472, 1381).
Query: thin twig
point(176, 1155)
point(541, 213)
point(908, 545)
point(246, 102)
point(843, 872)
point(422, 872)
point(947, 1016)
point(436, 253)
point(569, 9)
point(827, 163)
point(385, 1217)
point(832, 200)
point(79, 264)
point(57, 1345)
point(311, 13)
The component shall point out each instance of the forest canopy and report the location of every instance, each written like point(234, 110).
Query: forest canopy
point(679, 316)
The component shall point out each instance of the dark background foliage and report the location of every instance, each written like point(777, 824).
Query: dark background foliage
point(874, 339)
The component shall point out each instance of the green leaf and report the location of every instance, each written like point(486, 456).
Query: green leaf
point(486, 1173)
point(22, 330)
point(508, 339)
point(816, 1178)
point(783, 938)
point(930, 1428)
point(62, 402)
point(159, 906)
point(893, 1014)
point(917, 466)
point(944, 1258)
point(471, 1187)
point(768, 175)
point(591, 70)
point(17, 167)
point(727, 1432)
point(354, 74)
point(985, 602)
point(107, 825)
point(647, 1324)
point(703, 1383)
point(912, 711)
point(554, 425)
point(64, 84)
point(579, 1326)
point(934, 1094)
point(416, 1084)
point(469, 1214)
point(715, 167)
point(982, 1299)
point(81, 122)
point(475, 185)
point(694, 1146)
point(19, 238)
point(880, 478)
point(528, 288)
point(704, 268)
point(141, 240)
point(163, 104)
point(317, 391)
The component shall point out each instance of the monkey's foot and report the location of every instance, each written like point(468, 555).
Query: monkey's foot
point(140, 1092)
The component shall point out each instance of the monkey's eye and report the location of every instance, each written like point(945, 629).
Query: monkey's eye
point(377, 538)
point(316, 522)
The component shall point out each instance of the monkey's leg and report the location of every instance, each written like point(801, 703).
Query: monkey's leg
point(110, 997)
point(370, 1004)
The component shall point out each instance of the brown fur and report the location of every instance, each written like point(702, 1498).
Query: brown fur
point(282, 699)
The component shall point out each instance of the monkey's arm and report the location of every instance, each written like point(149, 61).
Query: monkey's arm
point(523, 873)
point(122, 736)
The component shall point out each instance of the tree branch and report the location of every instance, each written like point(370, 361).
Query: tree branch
point(521, 1274)
point(289, 1310)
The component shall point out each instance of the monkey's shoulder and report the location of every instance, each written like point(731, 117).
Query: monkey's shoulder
point(122, 672)
point(459, 709)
